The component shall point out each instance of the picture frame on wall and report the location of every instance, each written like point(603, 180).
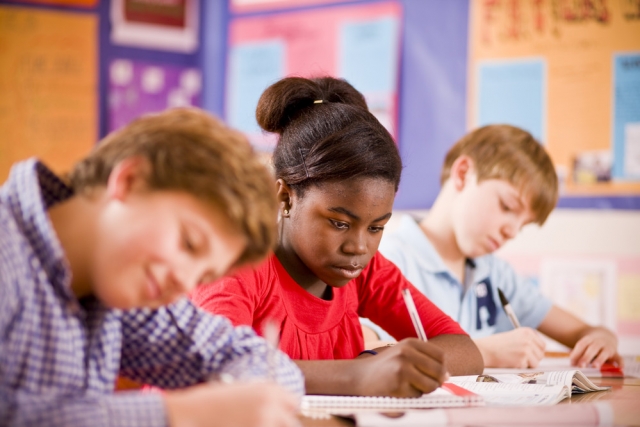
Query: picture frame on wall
point(156, 24)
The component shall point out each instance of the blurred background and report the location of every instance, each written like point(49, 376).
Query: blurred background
point(568, 71)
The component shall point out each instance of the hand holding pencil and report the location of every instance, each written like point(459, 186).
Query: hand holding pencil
point(522, 347)
point(407, 369)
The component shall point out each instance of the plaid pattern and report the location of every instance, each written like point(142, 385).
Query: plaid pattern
point(59, 357)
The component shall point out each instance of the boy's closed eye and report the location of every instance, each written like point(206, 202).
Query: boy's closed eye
point(193, 241)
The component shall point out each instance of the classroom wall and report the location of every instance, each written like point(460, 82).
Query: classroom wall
point(603, 231)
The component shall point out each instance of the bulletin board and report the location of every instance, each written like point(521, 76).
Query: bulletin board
point(569, 72)
point(48, 82)
point(358, 43)
point(253, 5)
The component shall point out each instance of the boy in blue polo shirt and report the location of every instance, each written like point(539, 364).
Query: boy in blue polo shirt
point(495, 180)
point(94, 269)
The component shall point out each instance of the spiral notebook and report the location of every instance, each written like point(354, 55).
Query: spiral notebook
point(447, 396)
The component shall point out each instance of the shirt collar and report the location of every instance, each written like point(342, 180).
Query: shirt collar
point(31, 190)
point(427, 255)
point(417, 242)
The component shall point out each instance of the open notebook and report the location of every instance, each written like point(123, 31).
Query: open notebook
point(447, 396)
point(540, 388)
point(561, 363)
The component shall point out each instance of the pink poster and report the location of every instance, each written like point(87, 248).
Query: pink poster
point(358, 43)
point(239, 6)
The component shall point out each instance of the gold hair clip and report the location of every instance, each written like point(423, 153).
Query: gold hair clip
point(318, 101)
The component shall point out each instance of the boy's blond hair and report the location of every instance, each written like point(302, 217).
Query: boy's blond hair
point(192, 151)
point(511, 154)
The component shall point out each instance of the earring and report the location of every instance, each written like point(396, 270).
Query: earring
point(285, 213)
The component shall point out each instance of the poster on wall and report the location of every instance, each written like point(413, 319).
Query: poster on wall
point(136, 88)
point(569, 75)
point(156, 24)
point(358, 43)
point(512, 91)
point(626, 115)
point(239, 6)
point(71, 3)
point(49, 89)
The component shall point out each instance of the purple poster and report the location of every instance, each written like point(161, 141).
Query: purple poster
point(136, 88)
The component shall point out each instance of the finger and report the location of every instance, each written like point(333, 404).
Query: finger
point(535, 356)
point(589, 354)
point(538, 341)
point(578, 350)
point(418, 382)
point(602, 357)
point(617, 359)
point(426, 364)
point(426, 348)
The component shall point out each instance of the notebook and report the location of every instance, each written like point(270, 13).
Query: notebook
point(540, 388)
point(573, 379)
point(447, 396)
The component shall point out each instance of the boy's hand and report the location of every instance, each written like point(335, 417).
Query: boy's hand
point(240, 404)
point(597, 346)
point(408, 369)
point(520, 348)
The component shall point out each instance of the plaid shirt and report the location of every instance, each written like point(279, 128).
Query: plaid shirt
point(59, 357)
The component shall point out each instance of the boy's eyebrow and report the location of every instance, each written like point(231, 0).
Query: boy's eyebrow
point(356, 217)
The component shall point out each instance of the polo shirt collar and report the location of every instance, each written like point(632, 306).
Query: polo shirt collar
point(427, 255)
point(417, 241)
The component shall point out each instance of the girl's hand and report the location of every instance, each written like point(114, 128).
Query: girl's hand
point(239, 404)
point(407, 369)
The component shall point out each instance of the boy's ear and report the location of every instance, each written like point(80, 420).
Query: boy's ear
point(284, 193)
point(127, 176)
point(462, 170)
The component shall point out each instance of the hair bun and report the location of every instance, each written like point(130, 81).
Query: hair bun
point(286, 99)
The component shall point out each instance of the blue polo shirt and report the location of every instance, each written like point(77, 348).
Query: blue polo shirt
point(478, 308)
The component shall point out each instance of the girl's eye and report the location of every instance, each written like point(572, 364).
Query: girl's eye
point(504, 206)
point(339, 224)
point(376, 229)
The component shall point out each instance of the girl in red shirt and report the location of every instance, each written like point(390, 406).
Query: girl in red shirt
point(337, 172)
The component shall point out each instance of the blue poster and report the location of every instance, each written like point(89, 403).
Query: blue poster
point(252, 68)
point(369, 54)
point(513, 92)
point(626, 116)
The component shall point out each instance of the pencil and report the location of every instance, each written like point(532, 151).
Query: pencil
point(413, 313)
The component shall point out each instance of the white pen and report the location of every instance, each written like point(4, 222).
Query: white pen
point(507, 309)
point(271, 334)
point(413, 313)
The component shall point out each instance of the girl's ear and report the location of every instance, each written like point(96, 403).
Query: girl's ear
point(284, 193)
point(462, 170)
point(128, 176)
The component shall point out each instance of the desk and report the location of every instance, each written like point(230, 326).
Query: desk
point(624, 397)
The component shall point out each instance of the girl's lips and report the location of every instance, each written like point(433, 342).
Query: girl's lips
point(349, 272)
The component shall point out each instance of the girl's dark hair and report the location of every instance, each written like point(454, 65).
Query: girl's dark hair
point(326, 133)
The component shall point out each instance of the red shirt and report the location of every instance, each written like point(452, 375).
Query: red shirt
point(312, 328)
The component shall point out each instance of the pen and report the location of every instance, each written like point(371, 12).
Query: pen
point(272, 336)
point(507, 309)
point(413, 313)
